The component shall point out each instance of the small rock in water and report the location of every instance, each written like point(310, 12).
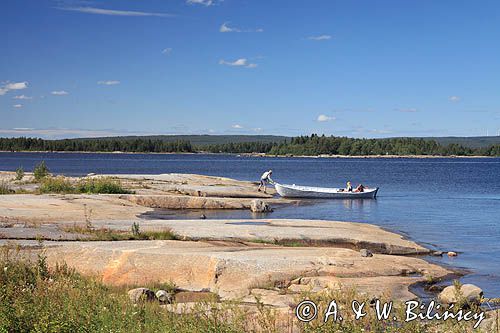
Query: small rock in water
point(164, 296)
point(452, 254)
point(437, 253)
point(470, 292)
point(259, 206)
point(141, 294)
point(203, 216)
point(366, 253)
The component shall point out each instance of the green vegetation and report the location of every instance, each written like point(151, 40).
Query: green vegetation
point(34, 298)
point(104, 144)
point(40, 171)
point(104, 234)
point(38, 298)
point(101, 185)
point(57, 184)
point(19, 173)
point(4, 188)
point(329, 145)
point(274, 145)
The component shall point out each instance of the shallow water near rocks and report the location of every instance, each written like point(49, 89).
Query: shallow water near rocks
point(442, 203)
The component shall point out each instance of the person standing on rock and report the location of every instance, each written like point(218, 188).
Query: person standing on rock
point(265, 179)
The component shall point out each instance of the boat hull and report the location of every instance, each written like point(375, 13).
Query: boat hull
point(295, 191)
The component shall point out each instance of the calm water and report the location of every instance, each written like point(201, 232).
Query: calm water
point(447, 204)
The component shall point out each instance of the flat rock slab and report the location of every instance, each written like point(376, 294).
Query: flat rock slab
point(308, 232)
point(232, 269)
point(49, 208)
point(193, 185)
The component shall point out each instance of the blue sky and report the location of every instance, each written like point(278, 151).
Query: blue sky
point(342, 67)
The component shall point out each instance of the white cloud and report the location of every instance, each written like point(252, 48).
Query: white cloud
point(257, 129)
point(201, 2)
point(454, 99)
point(22, 97)
point(323, 118)
point(17, 106)
point(320, 37)
point(167, 51)
point(59, 93)
point(242, 62)
point(237, 126)
point(113, 12)
point(8, 86)
point(226, 28)
point(108, 83)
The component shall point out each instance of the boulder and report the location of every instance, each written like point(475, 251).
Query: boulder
point(366, 253)
point(452, 254)
point(470, 292)
point(259, 206)
point(164, 297)
point(141, 294)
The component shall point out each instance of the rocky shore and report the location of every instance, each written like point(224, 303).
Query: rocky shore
point(275, 260)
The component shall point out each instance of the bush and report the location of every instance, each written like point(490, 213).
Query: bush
point(56, 185)
point(19, 173)
point(41, 171)
point(37, 298)
point(104, 185)
point(5, 189)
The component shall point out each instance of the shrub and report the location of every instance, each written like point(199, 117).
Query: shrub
point(19, 173)
point(41, 171)
point(104, 185)
point(5, 189)
point(58, 184)
point(135, 229)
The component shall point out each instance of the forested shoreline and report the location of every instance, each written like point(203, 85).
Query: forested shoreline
point(312, 145)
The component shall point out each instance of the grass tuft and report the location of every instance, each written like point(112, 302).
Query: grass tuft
point(104, 234)
point(57, 184)
point(104, 185)
point(5, 189)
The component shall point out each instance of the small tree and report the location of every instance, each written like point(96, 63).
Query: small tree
point(41, 171)
point(19, 173)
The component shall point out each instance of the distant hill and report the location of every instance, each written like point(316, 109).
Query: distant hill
point(202, 140)
point(471, 142)
point(205, 140)
point(265, 144)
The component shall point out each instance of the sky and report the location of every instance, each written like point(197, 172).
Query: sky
point(356, 68)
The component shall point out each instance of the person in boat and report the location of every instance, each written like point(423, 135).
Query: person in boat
point(360, 188)
point(265, 179)
point(348, 187)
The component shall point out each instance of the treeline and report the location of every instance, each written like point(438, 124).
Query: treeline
point(322, 145)
point(302, 145)
point(104, 144)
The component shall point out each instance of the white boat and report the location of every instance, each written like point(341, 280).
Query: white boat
point(297, 191)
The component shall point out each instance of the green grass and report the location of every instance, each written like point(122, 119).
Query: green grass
point(104, 234)
point(38, 298)
point(101, 185)
point(56, 185)
point(104, 185)
point(34, 298)
point(5, 189)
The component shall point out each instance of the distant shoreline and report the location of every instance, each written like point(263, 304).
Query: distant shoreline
point(255, 154)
